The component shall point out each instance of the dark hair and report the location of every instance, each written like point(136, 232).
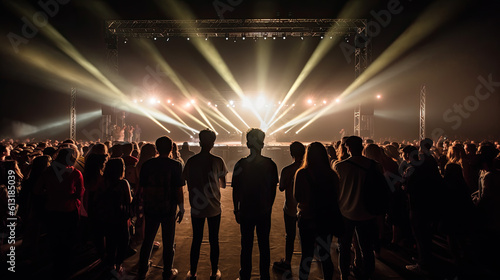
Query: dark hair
point(127, 148)
point(207, 137)
point(355, 144)
point(411, 151)
point(114, 170)
point(116, 150)
point(94, 165)
point(297, 150)
point(164, 145)
point(49, 151)
point(255, 138)
point(66, 156)
point(40, 163)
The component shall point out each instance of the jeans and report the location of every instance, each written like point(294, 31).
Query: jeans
point(291, 232)
point(311, 240)
point(247, 227)
point(366, 234)
point(213, 236)
point(168, 233)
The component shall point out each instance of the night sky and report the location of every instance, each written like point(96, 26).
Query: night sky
point(459, 55)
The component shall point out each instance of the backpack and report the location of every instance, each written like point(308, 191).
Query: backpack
point(375, 191)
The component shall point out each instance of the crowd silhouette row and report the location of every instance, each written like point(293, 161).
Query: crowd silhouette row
point(353, 195)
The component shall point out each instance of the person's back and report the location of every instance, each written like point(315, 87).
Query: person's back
point(158, 180)
point(254, 188)
point(205, 174)
point(185, 152)
point(161, 182)
point(256, 178)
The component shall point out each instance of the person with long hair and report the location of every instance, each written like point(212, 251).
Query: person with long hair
point(114, 200)
point(316, 187)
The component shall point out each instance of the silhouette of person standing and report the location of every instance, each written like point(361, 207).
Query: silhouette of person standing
point(161, 181)
point(254, 189)
point(205, 174)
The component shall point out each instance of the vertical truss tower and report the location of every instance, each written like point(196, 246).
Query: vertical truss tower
point(72, 115)
point(422, 113)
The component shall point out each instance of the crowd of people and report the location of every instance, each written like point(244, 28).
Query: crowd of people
point(125, 190)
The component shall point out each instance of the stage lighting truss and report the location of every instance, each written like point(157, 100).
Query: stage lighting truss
point(239, 28)
point(248, 28)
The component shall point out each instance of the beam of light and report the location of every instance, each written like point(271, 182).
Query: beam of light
point(298, 119)
point(66, 47)
point(215, 113)
point(282, 114)
point(206, 48)
point(189, 115)
point(178, 118)
point(238, 115)
point(351, 10)
point(155, 55)
point(291, 127)
point(436, 15)
point(220, 125)
point(54, 127)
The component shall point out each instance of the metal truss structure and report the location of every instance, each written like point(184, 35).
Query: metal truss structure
point(422, 113)
point(72, 115)
point(248, 29)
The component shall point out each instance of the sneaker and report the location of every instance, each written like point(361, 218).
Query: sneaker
point(282, 266)
point(189, 276)
point(156, 245)
point(173, 274)
point(415, 268)
point(217, 276)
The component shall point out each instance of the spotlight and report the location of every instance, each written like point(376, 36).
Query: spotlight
point(188, 38)
point(274, 37)
point(154, 38)
point(284, 36)
point(152, 100)
point(125, 40)
point(169, 101)
point(135, 100)
point(206, 37)
point(265, 36)
point(227, 36)
point(168, 39)
point(337, 100)
point(309, 101)
point(243, 37)
point(324, 101)
point(379, 96)
point(322, 37)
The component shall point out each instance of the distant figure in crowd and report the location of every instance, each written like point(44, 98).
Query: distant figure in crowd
point(175, 154)
point(287, 179)
point(161, 182)
point(185, 152)
point(205, 174)
point(137, 133)
point(254, 189)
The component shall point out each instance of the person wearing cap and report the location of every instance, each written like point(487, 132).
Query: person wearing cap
point(254, 182)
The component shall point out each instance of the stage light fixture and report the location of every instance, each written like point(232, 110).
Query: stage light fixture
point(284, 36)
point(188, 38)
point(206, 37)
point(265, 36)
point(243, 37)
point(227, 36)
point(301, 36)
point(167, 39)
point(154, 38)
point(322, 37)
point(274, 37)
point(125, 40)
